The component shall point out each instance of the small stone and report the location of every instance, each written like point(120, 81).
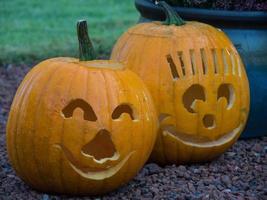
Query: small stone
point(9, 67)
point(45, 197)
point(196, 171)
point(215, 194)
point(206, 197)
point(155, 190)
point(257, 148)
point(227, 190)
point(182, 168)
point(220, 187)
point(191, 187)
point(187, 176)
point(257, 154)
point(153, 168)
point(231, 154)
point(11, 176)
point(226, 180)
point(137, 192)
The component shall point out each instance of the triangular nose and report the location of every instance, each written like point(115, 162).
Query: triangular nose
point(209, 121)
point(101, 146)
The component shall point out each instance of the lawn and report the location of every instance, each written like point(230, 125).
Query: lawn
point(33, 30)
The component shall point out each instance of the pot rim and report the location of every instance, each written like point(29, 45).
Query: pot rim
point(151, 11)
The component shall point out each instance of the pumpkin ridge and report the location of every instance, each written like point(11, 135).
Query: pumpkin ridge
point(161, 140)
point(15, 127)
point(62, 138)
point(125, 43)
point(120, 81)
point(108, 107)
point(76, 75)
point(131, 131)
point(151, 143)
point(142, 53)
point(10, 128)
point(83, 128)
point(122, 41)
point(20, 120)
point(42, 91)
point(212, 40)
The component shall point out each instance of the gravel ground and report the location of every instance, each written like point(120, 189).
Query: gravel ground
point(241, 173)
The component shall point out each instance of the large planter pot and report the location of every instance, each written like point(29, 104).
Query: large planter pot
point(248, 32)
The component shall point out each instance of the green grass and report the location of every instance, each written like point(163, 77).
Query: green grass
point(32, 30)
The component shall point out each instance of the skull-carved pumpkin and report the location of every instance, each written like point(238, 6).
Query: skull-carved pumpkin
point(197, 81)
point(80, 127)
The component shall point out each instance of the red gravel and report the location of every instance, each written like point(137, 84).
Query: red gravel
point(240, 173)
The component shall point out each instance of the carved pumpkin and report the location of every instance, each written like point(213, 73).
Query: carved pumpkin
point(198, 83)
point(80, 126)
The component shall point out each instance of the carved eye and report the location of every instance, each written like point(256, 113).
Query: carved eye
point(88, 112)
point(227, 91)
point(193, 93)
point(123, 108)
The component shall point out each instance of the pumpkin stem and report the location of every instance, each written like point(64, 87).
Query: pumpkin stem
point(171, 16)
point(86, 49)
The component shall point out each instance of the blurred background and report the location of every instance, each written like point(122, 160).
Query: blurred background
point(33, 30)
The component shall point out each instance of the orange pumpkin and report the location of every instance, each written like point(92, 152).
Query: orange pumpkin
point(79, 126)
point(198, 83)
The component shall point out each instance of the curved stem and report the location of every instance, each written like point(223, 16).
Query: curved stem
point(171, 16)
point(86, 49)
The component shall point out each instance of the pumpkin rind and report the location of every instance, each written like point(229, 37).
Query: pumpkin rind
point(80, 126)
point(172, 58)
point(36, 125)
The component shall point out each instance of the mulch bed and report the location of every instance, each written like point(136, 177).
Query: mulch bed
point(238, 174)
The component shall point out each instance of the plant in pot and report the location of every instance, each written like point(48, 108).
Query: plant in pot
point(245, 24)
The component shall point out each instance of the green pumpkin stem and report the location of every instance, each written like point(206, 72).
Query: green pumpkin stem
point(86, 49)
point(172, 18)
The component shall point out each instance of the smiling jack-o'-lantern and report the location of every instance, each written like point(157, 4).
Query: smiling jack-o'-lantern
point(198, 83)
point(80, 127)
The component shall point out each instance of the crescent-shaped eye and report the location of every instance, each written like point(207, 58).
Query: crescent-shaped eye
point(123, 108)
point(88, 111)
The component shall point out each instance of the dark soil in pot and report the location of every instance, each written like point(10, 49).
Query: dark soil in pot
point(240, 5)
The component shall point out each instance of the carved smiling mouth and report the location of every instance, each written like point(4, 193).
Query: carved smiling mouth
point(198, 141)
point(93, 173)
point(92, 151)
